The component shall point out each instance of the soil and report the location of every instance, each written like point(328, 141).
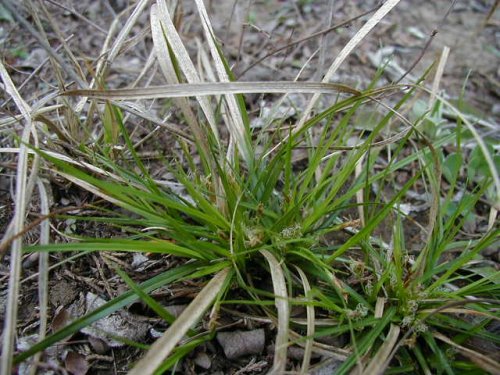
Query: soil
point(248, 31)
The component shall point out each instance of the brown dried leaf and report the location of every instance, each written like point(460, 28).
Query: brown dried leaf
point(60, 320)
point(76, 363)
point(99, 346)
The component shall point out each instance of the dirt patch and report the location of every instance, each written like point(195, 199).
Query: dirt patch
point(470, 30)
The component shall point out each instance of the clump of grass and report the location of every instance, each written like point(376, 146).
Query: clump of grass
point(329, 232)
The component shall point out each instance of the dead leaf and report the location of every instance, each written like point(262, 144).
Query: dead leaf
point(76, 363)
point(120, 324)
point(98, 345)
point(61, 319)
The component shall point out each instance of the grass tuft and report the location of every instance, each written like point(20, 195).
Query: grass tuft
point(318, 214)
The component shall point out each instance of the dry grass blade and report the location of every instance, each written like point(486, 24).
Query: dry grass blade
point(36, 35)
point(166, 66)
point(70, 160)
point(141, 112)
point(233, 116)
point(9, 329)
point(8, 121)
point(102, 63)
point(43, 268)
point(161, 349)
point(120, 39)
point(438, 76)
point(177, 48)
point(117, 46)
point(367, 27)
point(378, 363)
point(310, 324)
point(280, 291)
point(218, 88)
point(379, 307)
point(486, 363)
point(48, 19)
point(360, 194)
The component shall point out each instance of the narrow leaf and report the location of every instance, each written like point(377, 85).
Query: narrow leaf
point(162, 348)
point(280, 291)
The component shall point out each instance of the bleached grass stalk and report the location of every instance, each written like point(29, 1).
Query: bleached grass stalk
point(149, 63)
point(125, 30)
point(166, 66)
point(162, 348)
point(234, 120)
point(217, 88)
point(438, 76)
point(43, 269)
point(360, 193)
point(349, 47)
point(281, 302)
point(379, 307)
point(5, 123)
point(101, 64)
point(111, 53)
point(140, 111)
point(492, 218)
point(163, 19)
point(378, 363)
point(304, 369)
point(9, 328)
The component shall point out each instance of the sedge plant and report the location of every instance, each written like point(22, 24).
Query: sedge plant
point(299, 206)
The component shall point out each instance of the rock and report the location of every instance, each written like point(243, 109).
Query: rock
point(240, 343)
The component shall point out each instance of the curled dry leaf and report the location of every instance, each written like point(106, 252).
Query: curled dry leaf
point(61, 319)
point(239, 343)
point(76, 363)
point(99, 346)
